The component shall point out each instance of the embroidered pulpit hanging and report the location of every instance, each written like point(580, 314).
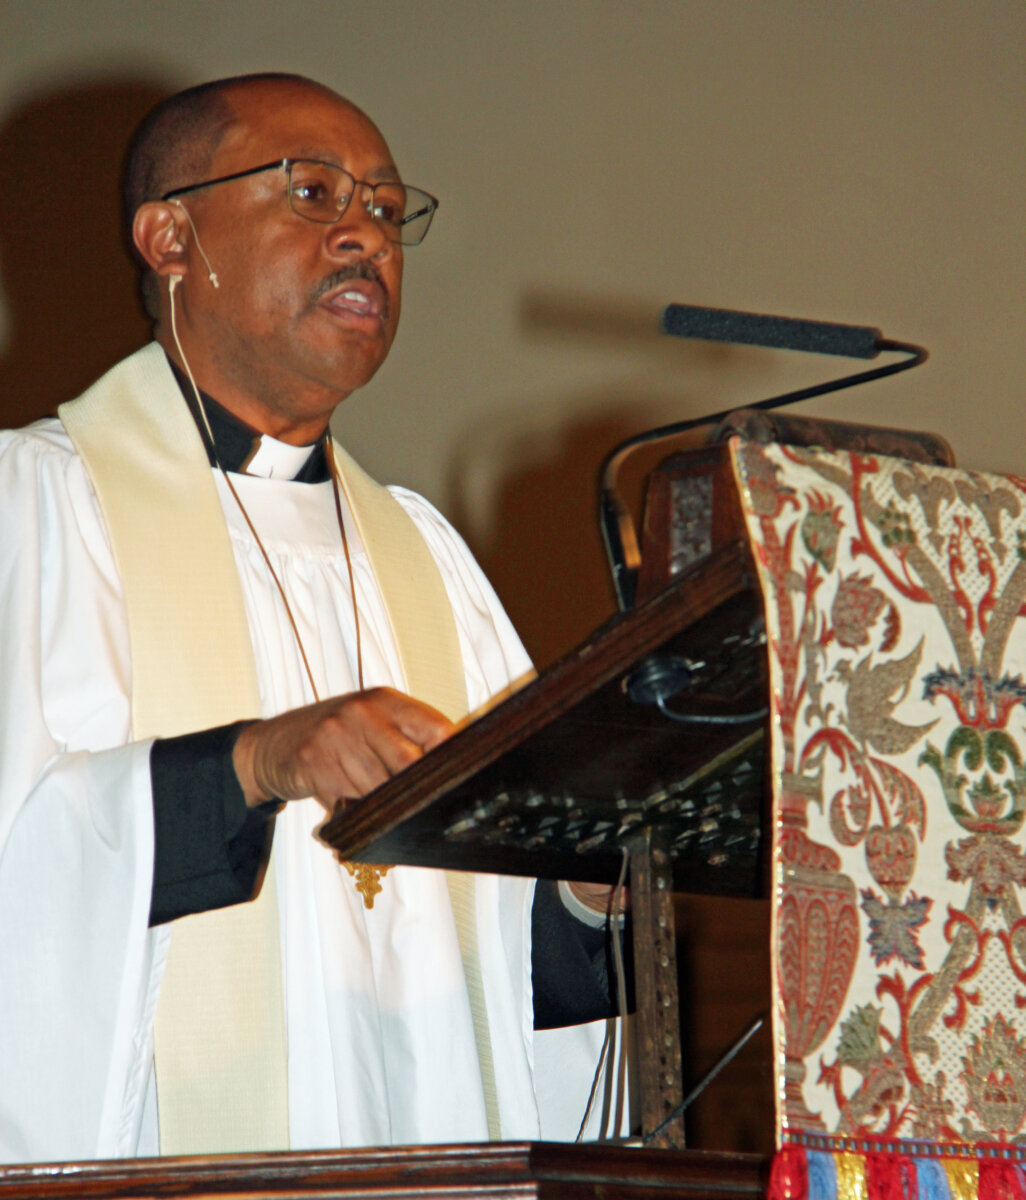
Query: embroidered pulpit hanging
point(895, 599)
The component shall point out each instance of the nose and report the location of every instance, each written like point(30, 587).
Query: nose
point(357, 232)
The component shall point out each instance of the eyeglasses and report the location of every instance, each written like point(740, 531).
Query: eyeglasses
point(320, 191)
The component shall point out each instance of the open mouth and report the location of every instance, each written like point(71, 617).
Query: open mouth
point(358, 302)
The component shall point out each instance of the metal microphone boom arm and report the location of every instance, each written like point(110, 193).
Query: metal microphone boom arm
point(615, 521)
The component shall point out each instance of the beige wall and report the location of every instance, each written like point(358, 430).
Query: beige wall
point(854, 161)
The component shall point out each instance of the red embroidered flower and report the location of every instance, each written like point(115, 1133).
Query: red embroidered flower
point(821, 530)
point(995, 1077)
point(891, 857)
point(856, 607)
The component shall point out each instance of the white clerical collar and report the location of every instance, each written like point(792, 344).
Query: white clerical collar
point(242, 450)
point(272, 459)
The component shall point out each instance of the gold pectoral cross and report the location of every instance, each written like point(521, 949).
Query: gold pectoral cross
point(368, 878)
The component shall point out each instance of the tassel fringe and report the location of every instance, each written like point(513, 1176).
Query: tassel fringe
point(798, 1173)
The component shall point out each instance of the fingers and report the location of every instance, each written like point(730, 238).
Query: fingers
point(340, 748)
point(419, 723)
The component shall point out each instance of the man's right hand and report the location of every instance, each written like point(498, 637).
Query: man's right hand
point(337, 749)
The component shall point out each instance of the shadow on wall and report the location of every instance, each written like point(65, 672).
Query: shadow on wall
point(580, 319)
point(68, 284)
point(541, 547)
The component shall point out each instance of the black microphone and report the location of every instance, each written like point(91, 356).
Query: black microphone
point(781, 333)
point(753, 329)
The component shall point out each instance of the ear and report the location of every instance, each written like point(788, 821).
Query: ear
point(160, 234)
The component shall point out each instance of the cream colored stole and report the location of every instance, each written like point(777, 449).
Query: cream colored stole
point(220, 1029)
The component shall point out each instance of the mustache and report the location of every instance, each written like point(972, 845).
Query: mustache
point(359, 270)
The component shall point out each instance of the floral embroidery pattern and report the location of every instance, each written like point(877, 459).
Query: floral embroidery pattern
point(894, 596)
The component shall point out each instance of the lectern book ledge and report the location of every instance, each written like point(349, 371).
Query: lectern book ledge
point(554, 781)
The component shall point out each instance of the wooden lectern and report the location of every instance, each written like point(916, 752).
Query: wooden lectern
point(582, 764)
point(649, 738)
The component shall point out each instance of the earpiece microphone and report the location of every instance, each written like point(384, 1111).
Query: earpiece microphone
point(211, 274)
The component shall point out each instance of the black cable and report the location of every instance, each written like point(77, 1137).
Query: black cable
point(614, 516)
point(711, 718)
point(728, 1056)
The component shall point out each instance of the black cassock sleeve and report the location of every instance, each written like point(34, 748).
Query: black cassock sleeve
point(208, 845)
point(572, 964)
point(209, 848)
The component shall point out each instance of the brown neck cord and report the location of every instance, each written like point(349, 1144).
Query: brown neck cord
point(274, 574)
point(333, 470)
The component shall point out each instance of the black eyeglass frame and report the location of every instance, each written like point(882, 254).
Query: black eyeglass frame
point(286, 165)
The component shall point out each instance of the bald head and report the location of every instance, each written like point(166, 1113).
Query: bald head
point(175, 144)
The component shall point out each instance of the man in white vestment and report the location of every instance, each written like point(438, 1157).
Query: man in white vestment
point(215, 627)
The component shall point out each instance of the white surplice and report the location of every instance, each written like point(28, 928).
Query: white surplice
point(381, 1046)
